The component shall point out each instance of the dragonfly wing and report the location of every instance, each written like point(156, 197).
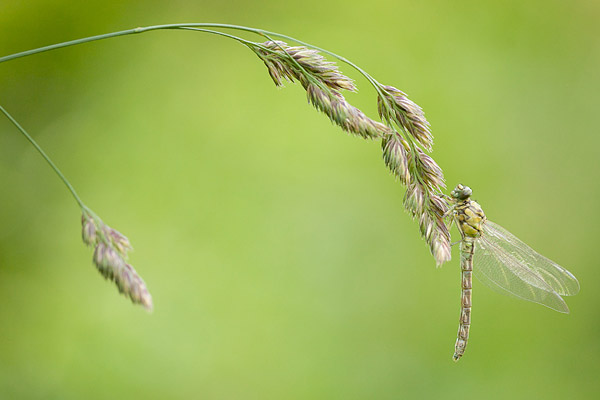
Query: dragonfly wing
point(558, 278)
point(507, 273)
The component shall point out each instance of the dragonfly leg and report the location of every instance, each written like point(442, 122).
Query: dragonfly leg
point(449, 212)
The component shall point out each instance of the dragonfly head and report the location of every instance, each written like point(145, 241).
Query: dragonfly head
point(461, 192)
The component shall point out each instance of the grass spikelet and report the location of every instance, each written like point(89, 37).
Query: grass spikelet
point(276, 56)
point(414, 199)
point(110, 255)
point(343, 114)
point(323, 83)
point(435, 232)
point(440, 246)
point(395, 156)
point(364, 126)
point(415, 168)
point(88, 231)
point(429, 173)
point(397, 108)
point(429, 210)
point(324, 100)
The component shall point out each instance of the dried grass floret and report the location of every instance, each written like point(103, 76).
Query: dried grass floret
point(396, 108)
point(323, 83)
point(110, 258)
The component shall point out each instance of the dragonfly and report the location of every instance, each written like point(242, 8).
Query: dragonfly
point(503, 262)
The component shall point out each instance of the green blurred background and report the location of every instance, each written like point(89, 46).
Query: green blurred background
point(276, 247)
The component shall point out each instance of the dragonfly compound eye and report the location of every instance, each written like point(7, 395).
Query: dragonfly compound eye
point(466, 193)
point(461, 192)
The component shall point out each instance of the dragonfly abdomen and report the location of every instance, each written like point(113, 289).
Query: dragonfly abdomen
point(466, 266)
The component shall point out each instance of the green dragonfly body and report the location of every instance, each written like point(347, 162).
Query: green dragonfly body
point(503, 262)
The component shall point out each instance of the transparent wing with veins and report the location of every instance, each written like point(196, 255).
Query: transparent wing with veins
point(509, 266)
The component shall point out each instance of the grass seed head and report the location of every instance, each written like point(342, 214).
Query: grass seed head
point(323, 83)
point(88, 230)
point(396, 107)
point(427, 170)
point(110, 253)
point(313, 64)
point(344, 114)
point(395, 156)
point(414, 199)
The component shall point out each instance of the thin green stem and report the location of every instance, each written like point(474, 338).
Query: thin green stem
point(261, 32)
point(239, 39)
point(39, 149)
point(253, 44)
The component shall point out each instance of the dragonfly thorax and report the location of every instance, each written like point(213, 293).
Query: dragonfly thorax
point(468, 214)
point(469, 218)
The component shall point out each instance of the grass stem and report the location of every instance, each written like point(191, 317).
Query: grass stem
point(39, 149)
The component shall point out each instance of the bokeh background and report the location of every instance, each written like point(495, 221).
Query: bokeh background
point(276, 247)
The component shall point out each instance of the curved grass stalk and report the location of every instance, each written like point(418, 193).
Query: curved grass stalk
point(261, 32)
point(403, 132)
